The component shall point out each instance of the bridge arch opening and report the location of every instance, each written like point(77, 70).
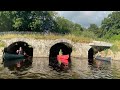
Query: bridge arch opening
point(15, 46)
point(12, 48)
point(90, 55)
point(54, 51)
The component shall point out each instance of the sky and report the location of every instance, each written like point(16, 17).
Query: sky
point(85, 18)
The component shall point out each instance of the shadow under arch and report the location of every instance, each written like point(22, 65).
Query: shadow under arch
point(54, 51)
point(90, 55)
point(12, 48)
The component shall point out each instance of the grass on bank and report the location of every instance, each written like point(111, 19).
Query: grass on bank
point(116, 46)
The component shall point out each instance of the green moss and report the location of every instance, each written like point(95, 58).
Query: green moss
point(106, 51)
point(114, 48)
point(2, 44)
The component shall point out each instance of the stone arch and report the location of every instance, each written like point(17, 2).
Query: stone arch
point(15, 46)
point(60, 41)
point(54, 51)
point(90, 55)
point(10, 41)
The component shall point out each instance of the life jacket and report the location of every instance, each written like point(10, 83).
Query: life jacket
point(63, 59)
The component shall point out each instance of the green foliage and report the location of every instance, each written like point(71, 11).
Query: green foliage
point(6, 20)
point(111, 24)
point(17, 23)
point(116, 45)
point(27, 21)
point(88, 34)
point(64, 26)
point(112, 34)
point(40, 21)
point(96, 30)
point(115, 37)
point(114, 48)
point(93, 27)
point(76, 29)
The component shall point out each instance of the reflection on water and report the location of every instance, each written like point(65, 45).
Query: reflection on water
point(80, 69)
point(24, 63)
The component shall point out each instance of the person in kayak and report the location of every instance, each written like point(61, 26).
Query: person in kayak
point(62, 59)
point(20, 52)
point(60, 53)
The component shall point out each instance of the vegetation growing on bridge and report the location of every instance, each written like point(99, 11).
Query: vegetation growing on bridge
point(72, 37)
point(2, 44)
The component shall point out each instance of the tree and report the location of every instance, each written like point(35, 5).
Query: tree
point(89, 34)
point(23, 20)
point(6, 20)
point(41, 21)
point(62, 25)
point(111, 23)
point(65, 26)
point(76, 29)
point(94, 28)
point(48, 21)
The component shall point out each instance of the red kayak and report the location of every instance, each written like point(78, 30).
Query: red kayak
point(63, 59)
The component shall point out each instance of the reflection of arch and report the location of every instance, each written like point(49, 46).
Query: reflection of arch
point(90, 53)
point(54, 51)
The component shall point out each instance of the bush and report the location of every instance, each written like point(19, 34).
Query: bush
point(88, 34)
point(115, 37)
point(116, 45)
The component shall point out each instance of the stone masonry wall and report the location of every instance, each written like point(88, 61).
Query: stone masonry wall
point(42, 47)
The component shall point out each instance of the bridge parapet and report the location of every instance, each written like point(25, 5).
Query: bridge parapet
point(100, 43)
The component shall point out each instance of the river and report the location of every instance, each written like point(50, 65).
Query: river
point(80, 69)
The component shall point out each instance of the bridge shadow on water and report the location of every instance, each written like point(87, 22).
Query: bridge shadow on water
point(11, 65)
point(99, 64)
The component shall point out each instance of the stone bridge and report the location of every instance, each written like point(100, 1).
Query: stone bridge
point(42, 48)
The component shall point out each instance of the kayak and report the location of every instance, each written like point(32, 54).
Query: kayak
point(12, 57)
point(103, 58)
point(63, 58)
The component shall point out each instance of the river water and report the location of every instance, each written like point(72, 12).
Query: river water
point(80, 69)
